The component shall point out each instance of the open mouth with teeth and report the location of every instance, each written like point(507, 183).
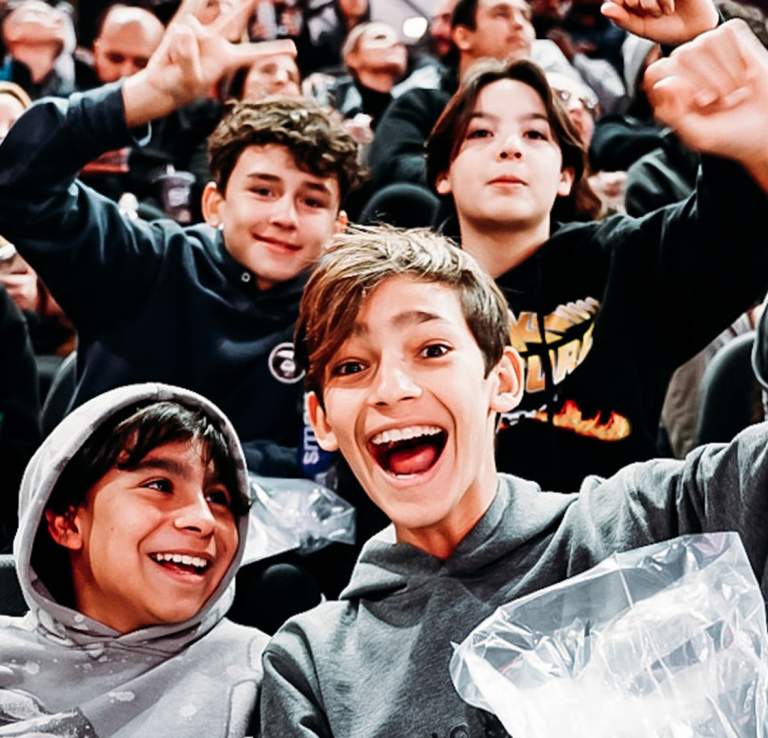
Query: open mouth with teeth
point(181, 563)
point(406, 452)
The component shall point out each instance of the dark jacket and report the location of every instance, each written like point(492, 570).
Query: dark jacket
point(663, 176)
point(604, 312)
point(150, 301)
point(397, 153)
point(19, 411)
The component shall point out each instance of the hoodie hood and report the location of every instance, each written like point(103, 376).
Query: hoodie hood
point(519, 512)
point(40, 479)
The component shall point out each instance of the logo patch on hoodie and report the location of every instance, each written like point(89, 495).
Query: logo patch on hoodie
point(282, 364)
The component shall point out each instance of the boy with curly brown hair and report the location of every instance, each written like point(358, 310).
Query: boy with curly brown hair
point(209, 307)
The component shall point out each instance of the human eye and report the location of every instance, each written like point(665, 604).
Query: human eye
point(219, 496)
point(477, 132)
point(346, 368)
point(260, 190)
point(537, 134)
point(314, 203)
point(161, 485)
point(435, 350)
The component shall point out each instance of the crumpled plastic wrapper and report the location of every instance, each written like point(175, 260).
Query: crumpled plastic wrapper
point(290, 514)
point(667, 641)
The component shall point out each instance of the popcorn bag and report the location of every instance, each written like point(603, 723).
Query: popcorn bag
point(667, 641)
point(295, 514)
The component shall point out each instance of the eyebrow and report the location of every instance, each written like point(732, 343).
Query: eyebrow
point(401, 320)
point(317, 186)
point(175, 468)
point(496, 118)
point(163, 463)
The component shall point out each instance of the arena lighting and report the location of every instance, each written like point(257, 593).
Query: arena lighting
point(415, 27)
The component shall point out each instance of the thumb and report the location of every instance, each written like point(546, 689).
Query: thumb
point(620, 16)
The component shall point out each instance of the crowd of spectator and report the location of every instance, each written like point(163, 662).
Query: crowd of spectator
point(171, 175)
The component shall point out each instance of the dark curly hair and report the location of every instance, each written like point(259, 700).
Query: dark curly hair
point(319, 144)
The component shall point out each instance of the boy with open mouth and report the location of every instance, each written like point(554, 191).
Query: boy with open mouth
point(405, 342)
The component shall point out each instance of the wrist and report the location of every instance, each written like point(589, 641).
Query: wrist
point(758, 167)
point(708, 22)
point(143, 102)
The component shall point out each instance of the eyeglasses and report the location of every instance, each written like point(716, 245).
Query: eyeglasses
point(590, 104)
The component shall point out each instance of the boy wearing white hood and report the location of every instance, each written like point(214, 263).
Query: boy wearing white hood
point(133, 516)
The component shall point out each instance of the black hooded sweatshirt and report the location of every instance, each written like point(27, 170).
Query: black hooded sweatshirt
point(604, 312)
point(150, 301)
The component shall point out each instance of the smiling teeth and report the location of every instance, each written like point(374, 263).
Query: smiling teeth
point(195, 561)
point(405, 434)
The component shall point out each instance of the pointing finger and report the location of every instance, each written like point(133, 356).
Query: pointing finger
point(246, 54)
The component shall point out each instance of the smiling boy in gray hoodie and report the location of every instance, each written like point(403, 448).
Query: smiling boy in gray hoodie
point(133, 518)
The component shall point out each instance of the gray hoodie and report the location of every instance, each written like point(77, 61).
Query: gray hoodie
point(375, 664)
point(63, 674)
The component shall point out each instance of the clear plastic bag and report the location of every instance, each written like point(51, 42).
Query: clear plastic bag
point(667, 641)
point(290, 514)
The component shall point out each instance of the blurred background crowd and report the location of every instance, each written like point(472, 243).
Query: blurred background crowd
point(388, 68)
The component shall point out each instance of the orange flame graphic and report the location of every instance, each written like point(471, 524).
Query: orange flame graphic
point(614, 429)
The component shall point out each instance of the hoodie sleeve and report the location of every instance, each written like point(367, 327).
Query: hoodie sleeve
point(19, 409)
point(718, 487)
point(88, 254)
point(685, 272)
point(290, 704)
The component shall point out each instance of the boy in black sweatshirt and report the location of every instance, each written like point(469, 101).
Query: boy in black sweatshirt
point(210, 307)
point(601, 312)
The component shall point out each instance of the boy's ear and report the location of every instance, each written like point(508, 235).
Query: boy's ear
point(509, 382)
point(342, 221)
point(212, 201)
point(65, 528)
point(567, 175)
point(443, 184)
point(324, 434)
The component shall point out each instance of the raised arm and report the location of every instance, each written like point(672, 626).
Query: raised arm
point(71, 236)
point(713, 92)
point(190, 60)
point(671, 22)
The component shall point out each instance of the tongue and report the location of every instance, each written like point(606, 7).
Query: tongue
point(186, 568)
point(412, 460)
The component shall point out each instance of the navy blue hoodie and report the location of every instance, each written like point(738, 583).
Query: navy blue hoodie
point(150, 301)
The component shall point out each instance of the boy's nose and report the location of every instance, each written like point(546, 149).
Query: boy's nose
point(196, 517)
point(511, 146)
point(284, 213)
point(394, 384)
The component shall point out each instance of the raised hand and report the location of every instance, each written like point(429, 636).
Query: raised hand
point(713, 92)
point(190, 60)
point(664, 21)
